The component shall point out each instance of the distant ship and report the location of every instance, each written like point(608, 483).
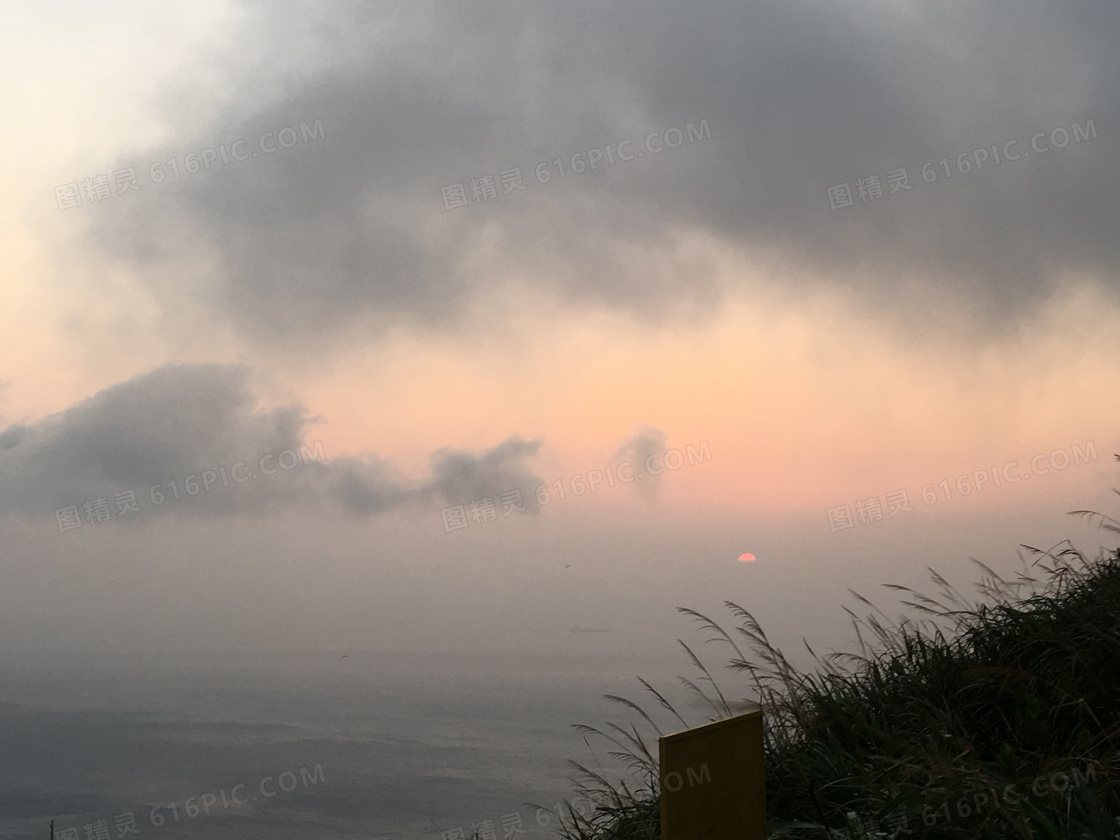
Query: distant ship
point(588, 630)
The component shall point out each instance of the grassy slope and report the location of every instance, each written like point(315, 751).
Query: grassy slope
point(1020, 690)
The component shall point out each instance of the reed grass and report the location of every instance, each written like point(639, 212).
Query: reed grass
point(955, 699)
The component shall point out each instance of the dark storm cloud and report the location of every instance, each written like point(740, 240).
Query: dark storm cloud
point(798, 97)
point(177, 421)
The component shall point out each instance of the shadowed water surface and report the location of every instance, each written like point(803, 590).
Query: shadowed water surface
point(409, 746)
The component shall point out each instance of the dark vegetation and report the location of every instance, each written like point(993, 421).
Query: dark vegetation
point(994, 719)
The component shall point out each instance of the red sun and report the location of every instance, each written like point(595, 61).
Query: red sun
point(746, 558)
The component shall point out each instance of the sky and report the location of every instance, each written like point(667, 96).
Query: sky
point(824, 279)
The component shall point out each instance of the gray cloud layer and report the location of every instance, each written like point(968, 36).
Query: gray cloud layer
point(799, 97)
point(644, 443)
point(178, 421)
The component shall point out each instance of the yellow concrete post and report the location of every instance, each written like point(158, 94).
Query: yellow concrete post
point(713, 781)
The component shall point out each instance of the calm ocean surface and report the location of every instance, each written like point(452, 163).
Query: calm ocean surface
point(408, 746)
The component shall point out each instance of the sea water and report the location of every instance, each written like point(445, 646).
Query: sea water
point(302, 745)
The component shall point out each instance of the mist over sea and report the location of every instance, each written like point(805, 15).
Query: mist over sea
point(323, 745)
